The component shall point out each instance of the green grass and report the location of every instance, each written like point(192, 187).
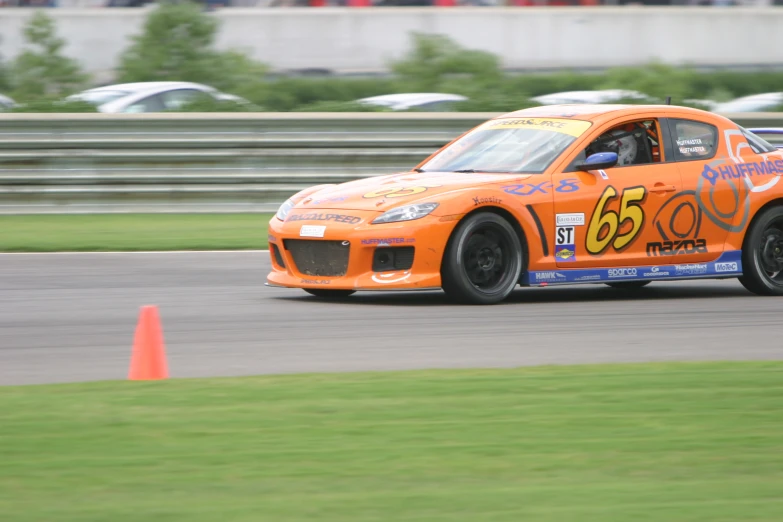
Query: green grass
point(659, 442)
point(117, 232)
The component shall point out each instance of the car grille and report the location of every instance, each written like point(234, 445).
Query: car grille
point(319, 258)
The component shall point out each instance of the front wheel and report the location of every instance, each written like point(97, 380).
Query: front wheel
point(328, 294)
point(629, 285)
point(483, 260)
point(762, 254)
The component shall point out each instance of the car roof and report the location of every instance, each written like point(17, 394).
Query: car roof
point(600, 113)
point(146, 86)
point(559, 98)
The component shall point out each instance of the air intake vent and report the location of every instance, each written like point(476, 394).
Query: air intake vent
point(392, 258)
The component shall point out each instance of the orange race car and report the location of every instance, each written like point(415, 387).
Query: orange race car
point(569, 194)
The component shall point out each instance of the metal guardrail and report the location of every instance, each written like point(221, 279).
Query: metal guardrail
point(185, 162)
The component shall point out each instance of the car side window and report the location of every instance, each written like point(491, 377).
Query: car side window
point(757, 143)
point(174, 100)
point(693, 140)
point(149, 104)
point(634, 142)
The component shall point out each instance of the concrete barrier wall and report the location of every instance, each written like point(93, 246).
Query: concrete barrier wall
point(346, 40)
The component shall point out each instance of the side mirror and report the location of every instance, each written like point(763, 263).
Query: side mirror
point(601, 160)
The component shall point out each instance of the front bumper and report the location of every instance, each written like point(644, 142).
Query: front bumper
point(349, 256)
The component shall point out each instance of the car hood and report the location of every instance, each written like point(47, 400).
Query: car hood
point(386, 192)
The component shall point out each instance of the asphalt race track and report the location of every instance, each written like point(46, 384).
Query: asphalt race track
point(71, 317)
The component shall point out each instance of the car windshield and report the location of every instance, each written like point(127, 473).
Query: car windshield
point(101, 97)
point(524, 145)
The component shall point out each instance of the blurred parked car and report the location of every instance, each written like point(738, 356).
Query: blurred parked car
point(6, 103)
point(149, 96)
point(425, 101)
point(591, 97)
point(768, 101)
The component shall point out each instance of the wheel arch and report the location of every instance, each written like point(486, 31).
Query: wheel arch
point(512, 220)
point(777, 202)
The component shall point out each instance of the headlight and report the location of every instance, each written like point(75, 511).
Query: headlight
point(405, 213)
point(284, 209)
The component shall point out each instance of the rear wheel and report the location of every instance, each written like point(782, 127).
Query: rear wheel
point(629, 285)
point(483, 260)
point(762, 254)
point(329, 294)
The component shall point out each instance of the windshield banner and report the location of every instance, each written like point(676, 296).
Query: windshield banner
point(571, 127)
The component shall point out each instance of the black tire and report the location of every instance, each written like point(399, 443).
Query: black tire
point(762, 254)
point(329, 294)
point(629, 285)
point(483, 260)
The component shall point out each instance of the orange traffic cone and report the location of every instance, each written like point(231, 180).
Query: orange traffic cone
point(148, 360)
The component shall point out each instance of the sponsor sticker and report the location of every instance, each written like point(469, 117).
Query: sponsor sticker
point(622, 272)
point(570, 127)
point(656, 272)
point(726, 267)
point(588, 277)
point(565, 248)
point(550, 276)
point(575, 219)
point(565, 252)
point(698, 268)
point(312, 231)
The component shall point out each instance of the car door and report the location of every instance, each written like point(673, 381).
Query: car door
point(694, 223)
point(610, 218)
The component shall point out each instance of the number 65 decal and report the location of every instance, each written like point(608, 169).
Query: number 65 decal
point(630, 210)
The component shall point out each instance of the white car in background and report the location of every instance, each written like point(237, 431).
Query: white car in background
point(148, 96)
point(426, 101)
point(768, 101)
point(590, 97)
point(6, 103)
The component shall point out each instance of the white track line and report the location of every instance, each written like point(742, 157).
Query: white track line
point(136, 252)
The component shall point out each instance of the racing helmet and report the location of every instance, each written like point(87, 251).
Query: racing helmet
point(626, 149)
point(621, 141)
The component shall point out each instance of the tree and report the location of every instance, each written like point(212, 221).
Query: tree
point(176, 44)
point(435, 57)
point(41, 71)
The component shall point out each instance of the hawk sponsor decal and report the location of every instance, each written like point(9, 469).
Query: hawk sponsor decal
point(315, 216)
point(565, 249)
point(388, 241)
point(575, 219)
point(621, 272)
point(726, 267)
point(742, 170)
point(550, 276)
point(485, 201)
point(694, 269)
point(526, 189)
point(674, 248)
point(312, 231)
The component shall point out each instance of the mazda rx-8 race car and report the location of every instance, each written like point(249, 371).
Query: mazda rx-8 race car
point(569, 194)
